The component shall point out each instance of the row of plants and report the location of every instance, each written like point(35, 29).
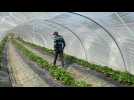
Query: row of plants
point(59, 73)
point(123, 77)
point(2, 45)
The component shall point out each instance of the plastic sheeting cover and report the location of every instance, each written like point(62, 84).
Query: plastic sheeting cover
point(82, 32)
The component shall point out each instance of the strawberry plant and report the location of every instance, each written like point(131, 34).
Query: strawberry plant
point(122, 77)
point(59, 73)
point(2, 45)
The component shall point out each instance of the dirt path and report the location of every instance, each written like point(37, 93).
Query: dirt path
point(81, 73)
point(4, 72)
point(44, 74)
point(23, 74)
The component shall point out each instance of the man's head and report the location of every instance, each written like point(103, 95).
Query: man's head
point(55, 33)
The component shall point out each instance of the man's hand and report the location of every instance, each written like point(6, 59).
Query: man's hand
point(63, 47)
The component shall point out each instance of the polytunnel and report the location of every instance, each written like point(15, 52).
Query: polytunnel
point(99, 49)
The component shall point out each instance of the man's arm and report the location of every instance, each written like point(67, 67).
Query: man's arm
point(64, 44)
point(55, 43)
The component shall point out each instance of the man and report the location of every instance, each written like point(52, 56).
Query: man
point(59, 45)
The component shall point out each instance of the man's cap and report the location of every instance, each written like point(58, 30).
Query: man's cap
point(55, 33)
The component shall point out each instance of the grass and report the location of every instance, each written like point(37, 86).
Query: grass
point(2, 45)
point(122, 77)
point(58, 73)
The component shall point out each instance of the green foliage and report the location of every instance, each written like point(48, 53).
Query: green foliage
point(122, 77)
point(59, 73)
point(2, 45)
point(81, 84)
